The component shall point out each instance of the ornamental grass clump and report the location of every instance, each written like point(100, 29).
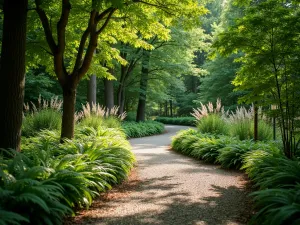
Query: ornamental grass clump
point(241, 124)
point(96, 116)
point(209, 119)
point(44, 115)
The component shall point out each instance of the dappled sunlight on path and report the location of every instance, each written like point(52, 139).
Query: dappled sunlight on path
point(174, 189)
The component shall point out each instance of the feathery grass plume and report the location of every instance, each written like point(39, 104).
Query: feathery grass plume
point(240, 114)
point(241, 124)
point(207, 109)
point(209, 119)
point(99, 111)
point(54, 104)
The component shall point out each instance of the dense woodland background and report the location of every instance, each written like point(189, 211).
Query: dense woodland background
point(72, 71)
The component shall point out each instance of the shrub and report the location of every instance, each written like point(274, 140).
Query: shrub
point(141, 129)
point(187, 121)
point(213, 124)
point(44, 119)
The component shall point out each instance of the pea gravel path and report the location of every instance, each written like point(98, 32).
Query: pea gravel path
point(176, 190)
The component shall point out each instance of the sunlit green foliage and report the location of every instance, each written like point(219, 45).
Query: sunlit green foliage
point(44, 182)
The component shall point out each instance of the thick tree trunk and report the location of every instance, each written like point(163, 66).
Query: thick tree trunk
point(68, 122)
point(92, 90)
point(109, 94)
point(12, 73)
point(141, 109)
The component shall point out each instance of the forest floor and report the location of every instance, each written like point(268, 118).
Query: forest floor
point(170, 189)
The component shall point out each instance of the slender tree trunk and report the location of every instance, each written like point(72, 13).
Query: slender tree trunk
point(68, 118)
point(109, 94)
point(166, 108)
point(141, 110)
point(92, 90)
point(171, 108)
point(121, 90)
point(255, 123)
point(12, 72)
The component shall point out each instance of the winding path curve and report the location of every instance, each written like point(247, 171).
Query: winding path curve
point(176, 190)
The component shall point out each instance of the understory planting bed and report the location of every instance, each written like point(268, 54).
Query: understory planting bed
point(276, 178)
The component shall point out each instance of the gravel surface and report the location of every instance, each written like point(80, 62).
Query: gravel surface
point(168, 188)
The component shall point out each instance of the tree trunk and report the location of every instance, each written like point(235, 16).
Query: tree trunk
point(141, 110)
point(255, 123)
point(166, 108)
point(12, 73)
point(171, 108)
point(109, 94)
point(92, 90)
point(68, 122)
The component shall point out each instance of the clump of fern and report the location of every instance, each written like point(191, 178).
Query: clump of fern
point(26, 190)
point(183, 141)
point(277, 206)
point(44, 182)
point(232, 155)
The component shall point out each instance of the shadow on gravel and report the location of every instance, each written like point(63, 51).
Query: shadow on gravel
point(150, 159)
point(223, 208)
